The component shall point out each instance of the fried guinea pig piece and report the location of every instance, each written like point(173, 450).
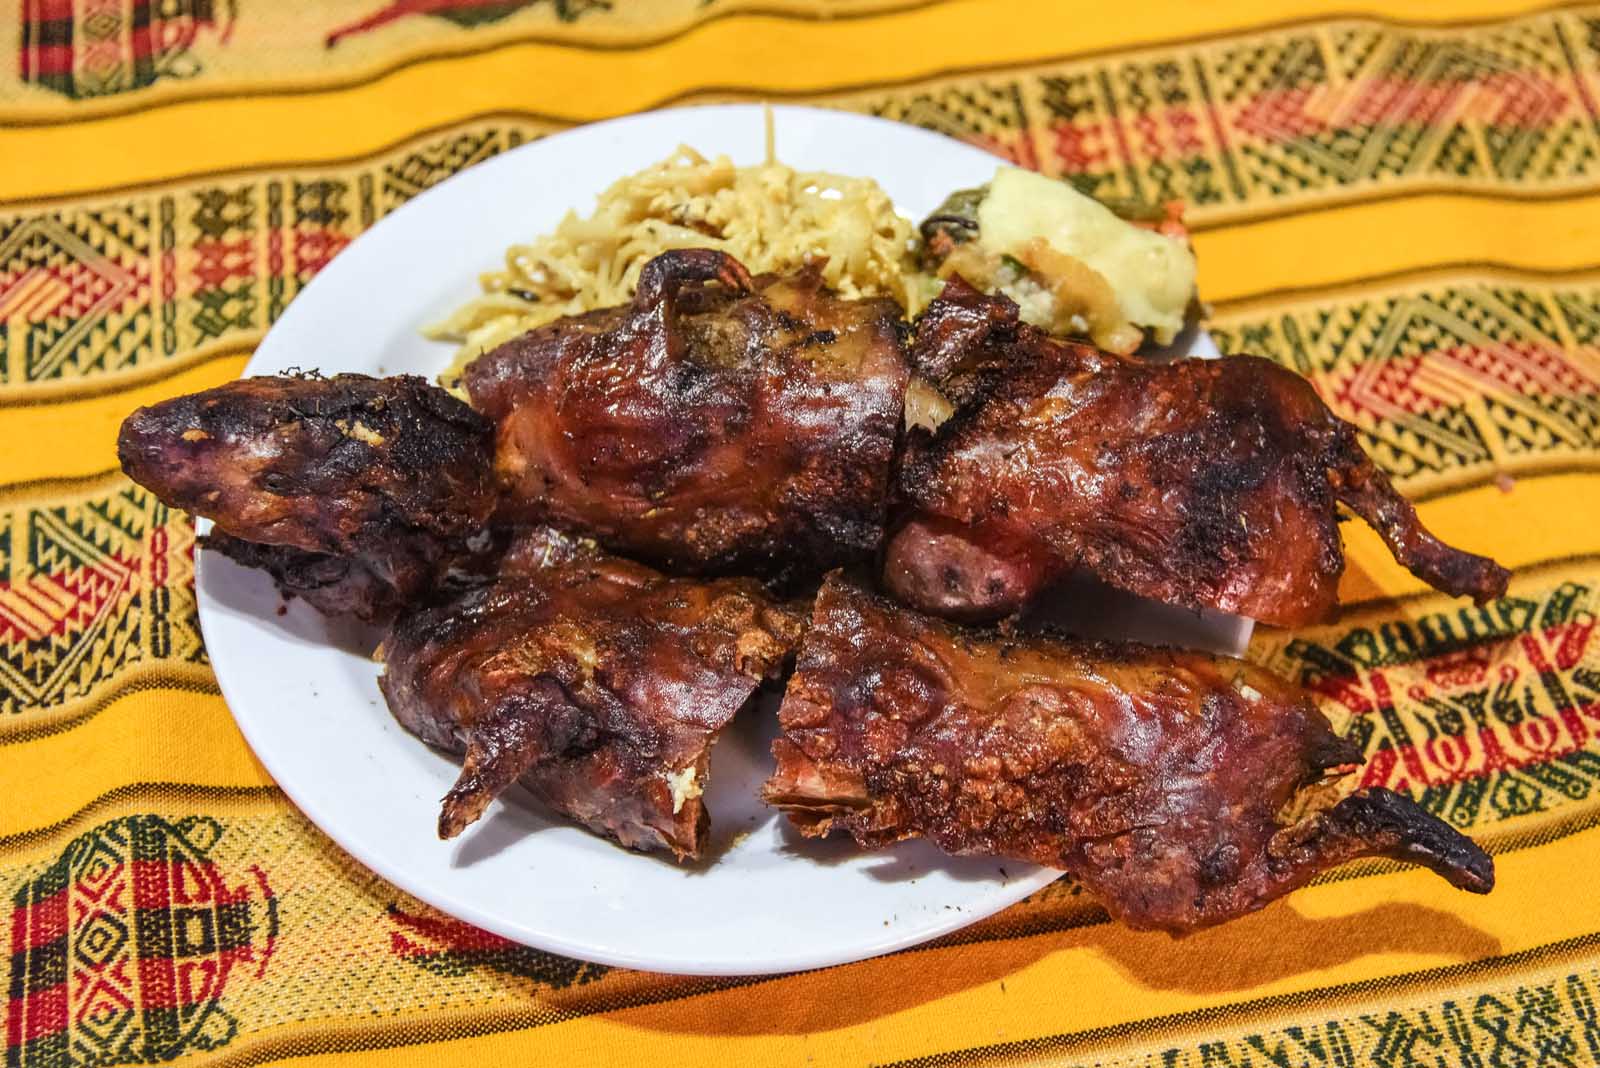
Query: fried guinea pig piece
point(355, 492)
point(598, 683)
point(741, 427)
point(1207, 483)
point(333, 585)
point(1155, 777)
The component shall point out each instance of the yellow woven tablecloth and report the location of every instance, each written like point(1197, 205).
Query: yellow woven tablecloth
point(1399, 200)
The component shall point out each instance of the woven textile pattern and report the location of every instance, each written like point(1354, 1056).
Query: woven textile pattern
point(1404, 207)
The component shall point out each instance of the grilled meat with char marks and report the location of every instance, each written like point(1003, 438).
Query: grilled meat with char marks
point(1157, 778)
point(355, 492)
point(716, 425)
point(1207, 483)
point(596, 682)
point(333, 585)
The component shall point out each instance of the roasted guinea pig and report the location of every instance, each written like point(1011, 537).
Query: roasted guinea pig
point(334, 585)
point(354, 492)
point(716, 425)
point(1157, 778)
point(596, 682)
point(1206, 483)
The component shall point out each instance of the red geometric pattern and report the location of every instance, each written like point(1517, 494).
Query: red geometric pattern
point(123, 949)
point(86, 48)
point(1286, 117)
point(36, 607)
point(68, 292)
point(99, 591)
point(448, 947)
point(1482, 713)
point(101, 290)
point(1412, 384)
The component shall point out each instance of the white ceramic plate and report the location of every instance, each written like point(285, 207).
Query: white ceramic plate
point(303, 689)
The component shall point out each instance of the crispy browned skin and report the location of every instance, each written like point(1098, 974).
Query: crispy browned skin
point(745, 427)
point(1155, 777)
point(333, 585)
point(594, 681)
point(1208, 483)
point(355, 492)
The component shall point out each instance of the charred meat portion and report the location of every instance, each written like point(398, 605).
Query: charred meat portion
point(717, 425)
point(1157, 778)
point(597, 683)
point(363, 486)
point(333, 585)
point(1208, 483)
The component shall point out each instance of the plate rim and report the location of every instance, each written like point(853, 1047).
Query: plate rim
point(229, 680)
